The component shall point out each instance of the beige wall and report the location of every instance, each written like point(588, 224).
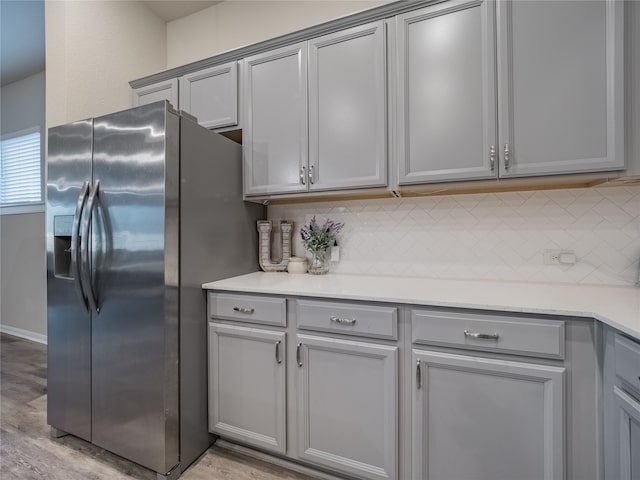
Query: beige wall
point(22, 242)
point(94, 48)
point(23, 262)
point(236, 23)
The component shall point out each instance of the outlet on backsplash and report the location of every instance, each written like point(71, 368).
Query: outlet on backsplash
point(559, 257)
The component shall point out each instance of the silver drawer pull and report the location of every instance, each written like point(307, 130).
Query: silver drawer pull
point(484, 336)
point(278, 359)
point(248, 311)
point(343, 321)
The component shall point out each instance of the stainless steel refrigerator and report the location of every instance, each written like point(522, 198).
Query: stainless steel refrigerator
point(143, 206)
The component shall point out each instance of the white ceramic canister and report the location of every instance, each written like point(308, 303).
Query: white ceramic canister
point(297, 265)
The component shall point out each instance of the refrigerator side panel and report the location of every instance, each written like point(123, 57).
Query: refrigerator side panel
point(218, 239)
point(131, 333)
point(68, 322)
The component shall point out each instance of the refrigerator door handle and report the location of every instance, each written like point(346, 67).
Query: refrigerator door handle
point(86, 271)
point(75, 250)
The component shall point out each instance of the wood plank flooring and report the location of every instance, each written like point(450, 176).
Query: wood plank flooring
point(28, 452)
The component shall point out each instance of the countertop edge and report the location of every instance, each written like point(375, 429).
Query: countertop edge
point(246, 284)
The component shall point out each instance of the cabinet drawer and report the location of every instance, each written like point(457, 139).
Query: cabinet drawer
point(628, 361)
point(248, 308)
point(348, 318)
point(496, 333)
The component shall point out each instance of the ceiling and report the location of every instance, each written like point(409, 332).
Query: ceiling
point(172, 9)
point(22, 37)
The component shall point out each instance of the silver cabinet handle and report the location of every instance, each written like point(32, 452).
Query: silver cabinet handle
point(86, 277)
point(248, 311)
point(278, 359)
point(303, 175)
point(492, 157)
point(75, 245)
point(311, 175)
point(507, 156)
point(342, 321)
point(298, 357)
point(418, 375)
point(485, 336)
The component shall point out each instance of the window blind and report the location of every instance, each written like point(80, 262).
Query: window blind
point(20, 170)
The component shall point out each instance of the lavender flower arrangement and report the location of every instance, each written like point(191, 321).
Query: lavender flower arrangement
point(317, 238)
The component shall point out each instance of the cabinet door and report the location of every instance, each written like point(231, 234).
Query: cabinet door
point(627, 432)
point(347, 118)
point(247, 385)
point(560, 86)
point(484, 419)
point(211, 95)
point(347, 411)
point(445, 99)
point(167, 90)
point(275, 133)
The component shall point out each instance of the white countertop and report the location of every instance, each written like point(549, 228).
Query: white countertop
point(618, 307)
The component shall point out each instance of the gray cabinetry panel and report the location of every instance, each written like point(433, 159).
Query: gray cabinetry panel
point(167, 90)
point(627, 428)
point(248, 308)
point(275, 132)
point(211, 95)
point(445, 99)
point(348, 318)
point(347, 117)
point(627, 361)
point(560, 87)
point(484, 419)
point(496, 333)
point(247, 385)
point(347, 406)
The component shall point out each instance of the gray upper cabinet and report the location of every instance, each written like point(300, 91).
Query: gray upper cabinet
point(445, 92)
point(211, 95)
point(167, 90)
point(275, 126)
point(347, 114)
point(347, 406)
point(486, 419)
point(559, 83)
point(247, 385)
point(560, 90)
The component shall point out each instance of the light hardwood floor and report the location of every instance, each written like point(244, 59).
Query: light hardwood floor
point(28, 452)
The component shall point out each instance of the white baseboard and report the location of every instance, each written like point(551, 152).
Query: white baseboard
point(19, 332)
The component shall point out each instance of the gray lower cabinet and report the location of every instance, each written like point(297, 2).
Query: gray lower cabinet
point(622, 407)
point(347, 406)
point(247, 385)
point(486, 419)
point(211, 95)
point(166, 90)
point(627, 428)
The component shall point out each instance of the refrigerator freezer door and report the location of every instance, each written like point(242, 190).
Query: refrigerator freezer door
point(68, 320)
point(135, 241)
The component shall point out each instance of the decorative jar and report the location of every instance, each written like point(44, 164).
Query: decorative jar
point(319, 263)
point(297, 265)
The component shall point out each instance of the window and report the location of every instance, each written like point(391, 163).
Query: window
point(20, 169)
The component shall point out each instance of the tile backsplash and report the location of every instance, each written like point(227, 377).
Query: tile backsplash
point(492, 236)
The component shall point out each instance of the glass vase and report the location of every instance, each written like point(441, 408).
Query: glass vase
point(319, 263)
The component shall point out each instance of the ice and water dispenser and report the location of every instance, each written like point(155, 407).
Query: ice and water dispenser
point(62, 232)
